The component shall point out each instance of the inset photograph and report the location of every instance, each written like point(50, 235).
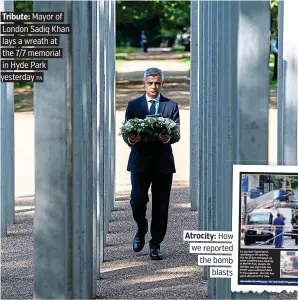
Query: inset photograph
point(288, 264)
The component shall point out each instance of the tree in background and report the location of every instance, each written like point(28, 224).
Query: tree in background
point(290, 180)
point(161, 20)
point(23, 6)
point(274, 38)
point(274, 15)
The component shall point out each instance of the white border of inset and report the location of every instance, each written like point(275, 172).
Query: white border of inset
point(237, 169)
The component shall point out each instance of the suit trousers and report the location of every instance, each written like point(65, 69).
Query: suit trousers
point(161, 184)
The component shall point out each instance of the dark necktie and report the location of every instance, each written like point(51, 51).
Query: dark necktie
point(152, 107)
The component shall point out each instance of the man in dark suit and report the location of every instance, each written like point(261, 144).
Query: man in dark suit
point(151, 163)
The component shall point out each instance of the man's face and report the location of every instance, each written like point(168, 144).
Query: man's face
point(153, 86)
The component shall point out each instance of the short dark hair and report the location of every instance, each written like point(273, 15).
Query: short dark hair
point(154, 72)
point(278, 214)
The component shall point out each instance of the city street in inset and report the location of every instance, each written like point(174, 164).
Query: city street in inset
point(288, 243)
point(269, 211)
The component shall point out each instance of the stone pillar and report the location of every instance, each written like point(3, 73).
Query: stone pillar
point(203, 15)
point(95, 171)
point(7, 195)
point(3, 165)
point(108, 116)
point(63, 230)
point(10, 156)
point(113, 99)
point(99, 145)
point(10, 161)
point(232, 109)
point(53, 171)
point(107, 133)
point(287, 83)
point(195, 88)
point(102, 126)
point(82, 207)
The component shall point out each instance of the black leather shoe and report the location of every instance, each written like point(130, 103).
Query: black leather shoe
point(155, 253)
point(138, 242)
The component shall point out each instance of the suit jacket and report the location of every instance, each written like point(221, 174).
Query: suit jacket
point(157, 154)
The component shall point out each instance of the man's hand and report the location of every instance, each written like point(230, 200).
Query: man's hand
point(134, 138)
point(164, 138)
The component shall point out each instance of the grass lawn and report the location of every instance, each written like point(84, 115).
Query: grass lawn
point(127, 49)
point(273, 84)
point(18, 99)
point(178, 48)
point(186, 60)
point(120, 58)
point(119, 61)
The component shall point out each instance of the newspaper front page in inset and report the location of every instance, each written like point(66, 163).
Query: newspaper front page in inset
point(265, 227)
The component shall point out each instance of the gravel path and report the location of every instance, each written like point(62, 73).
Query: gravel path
point(129, 275)
point(17, 254)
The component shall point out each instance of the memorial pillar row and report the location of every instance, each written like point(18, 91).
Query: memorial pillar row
point(227, 129)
